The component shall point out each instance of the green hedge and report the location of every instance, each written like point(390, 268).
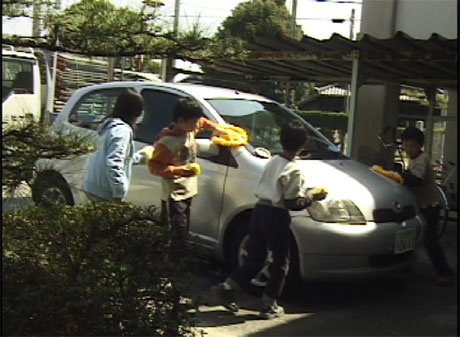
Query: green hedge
point(91, 270)
point(321, 119)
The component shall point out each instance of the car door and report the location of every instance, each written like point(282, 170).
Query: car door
point(146, 189)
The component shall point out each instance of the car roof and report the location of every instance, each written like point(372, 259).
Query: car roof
point(196, 90)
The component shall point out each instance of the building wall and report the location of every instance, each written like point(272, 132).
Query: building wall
point(418, 18)
point(420, 24)
point(382, 19)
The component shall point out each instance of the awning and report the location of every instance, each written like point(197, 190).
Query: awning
point(400, 60)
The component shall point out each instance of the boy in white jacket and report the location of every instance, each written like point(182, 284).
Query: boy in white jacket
point(282, 187)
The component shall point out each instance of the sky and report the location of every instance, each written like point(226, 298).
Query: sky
point(314, 17)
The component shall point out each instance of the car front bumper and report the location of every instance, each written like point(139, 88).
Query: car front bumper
point(352, 251)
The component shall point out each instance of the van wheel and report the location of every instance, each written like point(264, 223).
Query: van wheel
point(50, 189)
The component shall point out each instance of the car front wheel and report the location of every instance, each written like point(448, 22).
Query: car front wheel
point(239, 253)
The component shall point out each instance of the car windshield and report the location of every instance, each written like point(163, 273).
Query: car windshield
point(263, 121)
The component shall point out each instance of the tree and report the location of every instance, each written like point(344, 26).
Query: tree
point(18, 8)
point(269, 18)
point(258, 18)
point(99, 28)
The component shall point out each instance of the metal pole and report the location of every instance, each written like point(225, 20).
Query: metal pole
point(352, 24)
point(36, 20)
point(176, 16)
point(294, 18)
point(353, 103)
point(431, 96)
point(168, 63)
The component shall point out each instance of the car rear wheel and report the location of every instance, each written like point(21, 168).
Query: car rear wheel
point(50, 189)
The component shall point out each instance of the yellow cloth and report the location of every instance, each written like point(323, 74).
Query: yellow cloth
point(392, 175)
point(234, 136)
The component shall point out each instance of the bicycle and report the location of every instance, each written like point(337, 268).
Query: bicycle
point(446, 191)
point(447, 200)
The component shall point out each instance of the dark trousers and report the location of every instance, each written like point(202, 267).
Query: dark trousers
point(176, 215)
point(269, 229)
point(431, 241)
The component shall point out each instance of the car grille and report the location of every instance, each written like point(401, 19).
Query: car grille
point(384, 260)
point(390, 215)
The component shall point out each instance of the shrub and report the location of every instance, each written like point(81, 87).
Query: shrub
point(24, 143)
point(321, 119)
point(94, 269)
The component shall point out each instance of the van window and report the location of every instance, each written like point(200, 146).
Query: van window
point(93, 107)
point(263, 121)
point(17, 76)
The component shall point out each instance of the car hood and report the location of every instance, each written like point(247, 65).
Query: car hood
point(348, 179)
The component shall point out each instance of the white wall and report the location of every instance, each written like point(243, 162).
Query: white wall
point(418, 18)
point(421, 18)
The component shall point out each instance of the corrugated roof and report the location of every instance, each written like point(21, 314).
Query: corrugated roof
point(400, 59)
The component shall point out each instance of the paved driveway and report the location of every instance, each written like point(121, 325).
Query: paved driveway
point(406, 304)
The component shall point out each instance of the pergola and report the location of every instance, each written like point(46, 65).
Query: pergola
point(428, 64)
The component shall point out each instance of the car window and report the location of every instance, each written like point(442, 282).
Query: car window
point(93, 107)
point(263, 121)
point(158, 107)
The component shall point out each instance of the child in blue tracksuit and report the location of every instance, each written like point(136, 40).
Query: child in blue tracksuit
point(107, 171)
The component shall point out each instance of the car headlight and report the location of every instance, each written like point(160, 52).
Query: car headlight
point(336, 211)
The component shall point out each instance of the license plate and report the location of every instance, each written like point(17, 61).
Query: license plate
point(405, 240)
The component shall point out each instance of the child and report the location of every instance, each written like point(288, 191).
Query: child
point(281, 188)
point(419, 178)
point(175, 149)
point(107, 172)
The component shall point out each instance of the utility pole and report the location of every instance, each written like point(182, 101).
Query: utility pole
point(167, 64)
point(37, 19)
point(288, 98)
point(352, 24)
point(294, 19)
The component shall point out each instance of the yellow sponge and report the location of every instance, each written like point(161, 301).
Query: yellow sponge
point(195, 167)
point(318, 190)
point(148, 151)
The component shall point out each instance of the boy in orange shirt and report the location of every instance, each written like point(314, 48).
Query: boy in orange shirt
point(175, 149)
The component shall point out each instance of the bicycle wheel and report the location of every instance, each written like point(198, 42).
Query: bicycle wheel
point(443, 212)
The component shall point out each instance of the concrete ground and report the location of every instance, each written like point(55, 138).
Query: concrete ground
point(405, 304)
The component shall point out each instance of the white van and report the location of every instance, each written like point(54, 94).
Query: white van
point(21, 86)
point(367, 226)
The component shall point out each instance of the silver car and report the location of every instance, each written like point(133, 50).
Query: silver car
point(367, 226)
